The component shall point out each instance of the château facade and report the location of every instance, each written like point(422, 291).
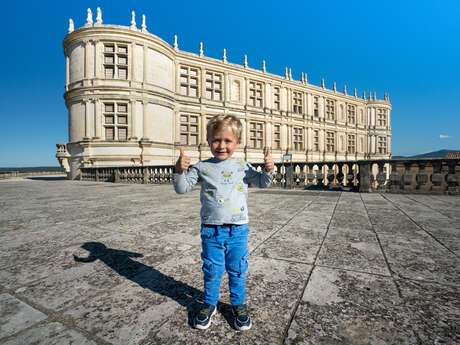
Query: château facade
point(134, 100)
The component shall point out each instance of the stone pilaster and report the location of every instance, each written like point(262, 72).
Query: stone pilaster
point(145, 121)
point(133, 114)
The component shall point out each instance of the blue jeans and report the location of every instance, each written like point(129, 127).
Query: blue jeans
point(224, 247)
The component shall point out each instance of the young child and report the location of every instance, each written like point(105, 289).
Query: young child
point(224, 215)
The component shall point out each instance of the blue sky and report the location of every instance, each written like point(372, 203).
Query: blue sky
point(410, 49)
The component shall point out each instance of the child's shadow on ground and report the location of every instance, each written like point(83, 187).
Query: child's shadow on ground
point(148, 277)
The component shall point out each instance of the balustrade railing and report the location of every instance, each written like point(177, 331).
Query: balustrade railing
point(430, 175)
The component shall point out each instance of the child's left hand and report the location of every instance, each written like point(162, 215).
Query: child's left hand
point(269, 163)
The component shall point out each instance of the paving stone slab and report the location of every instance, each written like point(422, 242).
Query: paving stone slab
point(53, 333)
point(421, 257)
point(343, 307)
point(273, 289)
point(350, 219)
point(299, 245)
point(434, 310)
point(127, 313)
point(27, 265)
point(15, 315)
point(353, 249)
point(392, 223)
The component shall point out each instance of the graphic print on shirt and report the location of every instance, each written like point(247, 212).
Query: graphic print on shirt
point(223, 202)
point(226, 177)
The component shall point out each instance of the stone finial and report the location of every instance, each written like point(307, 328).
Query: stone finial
point(245, 61)
point(99, 16)
point(89, 17)
point(224, 55)
point(176, 47)
point(334, 86)
point(133, 21)
point(375, 97)
point(144, 26)
point(301, 77)
point(344, 89)
point(370, 96)
point(354, 92)
point(201, 49)
point(364, 94)
point(71, 26)
point(322, 83)
point(305, 78)
point(264, 69)
point(286, 73)
point(290, 74)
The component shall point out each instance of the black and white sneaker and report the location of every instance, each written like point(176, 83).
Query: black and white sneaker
point(242, 319)
point(202, 320)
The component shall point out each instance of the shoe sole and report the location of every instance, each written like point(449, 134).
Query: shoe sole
point(209, 323)
point(243, 328)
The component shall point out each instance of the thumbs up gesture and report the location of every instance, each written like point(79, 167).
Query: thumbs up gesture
point(182, 163)
point(269, 164)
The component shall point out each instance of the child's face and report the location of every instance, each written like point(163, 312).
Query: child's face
point(223, 143)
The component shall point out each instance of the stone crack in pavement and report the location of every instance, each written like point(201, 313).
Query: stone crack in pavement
point(98, 263)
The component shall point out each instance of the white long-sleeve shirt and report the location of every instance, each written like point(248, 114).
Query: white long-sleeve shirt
point(224, 188)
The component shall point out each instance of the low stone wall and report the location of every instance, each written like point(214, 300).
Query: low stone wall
point(435, 175)
point(12, 174)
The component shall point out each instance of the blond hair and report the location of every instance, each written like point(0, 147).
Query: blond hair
point(219, 122)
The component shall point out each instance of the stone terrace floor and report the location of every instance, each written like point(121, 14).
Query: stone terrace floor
point(103, 263)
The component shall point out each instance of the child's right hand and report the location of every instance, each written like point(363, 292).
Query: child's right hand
point(183, 163)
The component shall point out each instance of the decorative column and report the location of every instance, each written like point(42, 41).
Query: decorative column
point(98, 119)
point(132, 62)
point(365, 183)
point(422, 177)
point(87, 124)
point(97, 55)
point(451, 178)
point(67, 72)
point(132, 112)
point(145, 122)
point(87, 59)
point(407, 177)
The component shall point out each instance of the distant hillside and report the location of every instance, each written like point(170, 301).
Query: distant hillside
point(434, 154)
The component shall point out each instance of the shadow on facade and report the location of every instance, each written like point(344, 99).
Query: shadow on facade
point(122, 262)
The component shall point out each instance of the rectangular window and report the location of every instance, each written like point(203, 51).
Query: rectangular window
point(316, 140)
point(297, 102)
point(297, 139)
point(189, 132)
point(189, 81)
point(351, 112)
point(315, 106)
point(214, 86)
point(382, 145)
point(256, 135)
point(255, 94)
point(330, 141)
point(115, 61)
point(351, 147)
point(276, 137)
point(276, 98)
point(115, 118)
point(330, 109)
point(381, 117)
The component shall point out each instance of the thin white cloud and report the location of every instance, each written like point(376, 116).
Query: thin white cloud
point(443, 136)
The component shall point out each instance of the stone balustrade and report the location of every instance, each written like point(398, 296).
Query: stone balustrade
point(429, 175)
